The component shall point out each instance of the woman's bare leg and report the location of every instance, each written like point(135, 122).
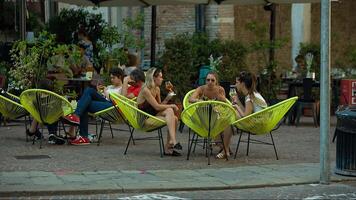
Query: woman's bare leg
point(71, 131)
point(227, 140)
point(171, 120)
point(33, 127)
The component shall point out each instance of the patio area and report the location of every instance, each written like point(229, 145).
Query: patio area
point(294, 145)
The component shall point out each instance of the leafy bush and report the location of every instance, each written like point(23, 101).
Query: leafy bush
point(185, 53)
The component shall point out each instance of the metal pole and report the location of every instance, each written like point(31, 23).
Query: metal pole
point(23, 19)
point(153, 36)
point(272, 32)
point(324, 91)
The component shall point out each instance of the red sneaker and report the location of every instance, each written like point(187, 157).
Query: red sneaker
point(72, 119)
point(80, 141)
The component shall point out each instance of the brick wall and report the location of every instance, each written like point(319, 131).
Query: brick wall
point(171, 20)
point(343, 28)
point(229, 22)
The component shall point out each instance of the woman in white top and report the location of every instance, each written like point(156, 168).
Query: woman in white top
point(93, 101)
point(245, 85)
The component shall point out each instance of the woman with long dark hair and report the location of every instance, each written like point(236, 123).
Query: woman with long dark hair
point(245, 85)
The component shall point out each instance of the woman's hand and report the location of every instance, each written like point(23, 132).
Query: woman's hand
point(234, 99)
point(168, 98)
point(100, 88)
point(127, 79)
point(174, 107)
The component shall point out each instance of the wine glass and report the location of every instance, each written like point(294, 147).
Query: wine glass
point(232, 92)
point(169, 88)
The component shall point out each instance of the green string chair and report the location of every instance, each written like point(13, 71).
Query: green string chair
point(11, 109)
point(186, 103)
point(139, 120)
point(263, 122)
point(207, 119)
point(112, 115)
point(45, 107)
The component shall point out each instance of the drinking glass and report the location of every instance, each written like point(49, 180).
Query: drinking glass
point(232, 92)
point(169, 88)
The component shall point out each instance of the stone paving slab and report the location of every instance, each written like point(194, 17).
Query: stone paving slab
point(47, 183)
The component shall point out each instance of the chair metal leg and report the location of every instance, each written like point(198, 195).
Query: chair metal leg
point(248, 143)
point(96, 126)
point(315, 115)
point(112, 134)
point(131, 137)
point(101, 131)
point(190, 144)
point(211, 150)
point(238, 144)
point(274, 146)
point(181, 126)
point(41, 139)
point(299, 113)
point(160, 139)
point(25, 127)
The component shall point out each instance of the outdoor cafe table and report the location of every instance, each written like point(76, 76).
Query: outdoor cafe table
point(292, 86)
point(292, 91)
point(80, 83)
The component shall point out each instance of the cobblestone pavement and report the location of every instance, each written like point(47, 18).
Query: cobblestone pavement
point(92, 169)
point(294, 145)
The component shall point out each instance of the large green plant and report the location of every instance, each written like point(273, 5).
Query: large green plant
point(29, 61)
point(69, 21)
point(185, 53)
point(178, 61)
point(260, 47)
point(233, 56)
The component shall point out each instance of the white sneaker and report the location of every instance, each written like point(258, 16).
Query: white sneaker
point(92, 138)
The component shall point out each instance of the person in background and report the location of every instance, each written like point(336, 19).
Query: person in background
point(93, 101)
point(149, 101)
point(132, 84)
point(84, 40)
point(300, 69)
point(245, 85)
point(131, 64)
point(84, 65)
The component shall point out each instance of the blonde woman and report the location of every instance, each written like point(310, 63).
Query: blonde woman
point(149, 101)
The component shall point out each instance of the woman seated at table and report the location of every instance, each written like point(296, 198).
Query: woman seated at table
point(93, 101)
point(149, 101)
point(245, 85)
point(132, 84)
point(210, 91)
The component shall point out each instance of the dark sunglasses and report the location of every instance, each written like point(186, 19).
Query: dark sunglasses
point(208, 80)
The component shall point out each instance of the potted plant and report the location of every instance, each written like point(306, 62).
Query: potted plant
point(29, 61)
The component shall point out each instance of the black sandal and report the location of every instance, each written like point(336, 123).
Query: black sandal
point(174, 153)
point(178, 146)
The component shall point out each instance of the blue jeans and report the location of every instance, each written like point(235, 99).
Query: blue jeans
point(90, 101)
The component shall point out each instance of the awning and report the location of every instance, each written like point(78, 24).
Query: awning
point(118, 3)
